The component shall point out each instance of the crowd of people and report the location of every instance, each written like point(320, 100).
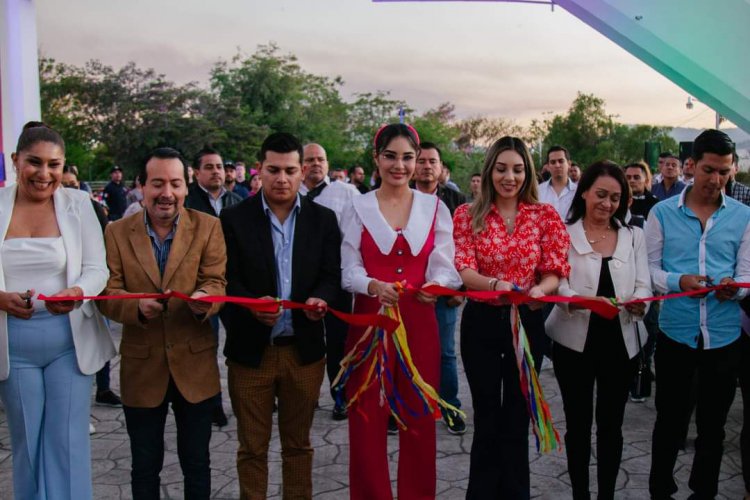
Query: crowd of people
point(291, 229)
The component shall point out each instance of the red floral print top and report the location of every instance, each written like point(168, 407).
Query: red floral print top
point(538, 245)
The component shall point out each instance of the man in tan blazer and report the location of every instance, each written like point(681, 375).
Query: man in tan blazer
point(168, 349)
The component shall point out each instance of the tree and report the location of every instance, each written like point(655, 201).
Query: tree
point(367, 113)
point(590, 134)
point(115, 116)
point(271, 91)
point(110, 116)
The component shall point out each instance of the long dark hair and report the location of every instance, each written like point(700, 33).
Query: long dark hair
point(589, 176)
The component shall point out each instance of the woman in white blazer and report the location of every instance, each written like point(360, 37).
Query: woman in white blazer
point(51, 244)
point(608, 259)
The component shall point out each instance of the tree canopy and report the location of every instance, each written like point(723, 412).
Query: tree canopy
point(115, 116)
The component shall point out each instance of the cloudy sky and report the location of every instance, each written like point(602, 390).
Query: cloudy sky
point(499, 59)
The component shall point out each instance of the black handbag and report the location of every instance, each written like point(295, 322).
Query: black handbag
point(641, 387)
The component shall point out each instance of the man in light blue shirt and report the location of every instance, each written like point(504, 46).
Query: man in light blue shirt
point(282, 234)
point(697, 239)
point(280, 245)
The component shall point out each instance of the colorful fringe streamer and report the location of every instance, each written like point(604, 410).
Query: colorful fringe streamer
point(371, 354)
point(547, 437)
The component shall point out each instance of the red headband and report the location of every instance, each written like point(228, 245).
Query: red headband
point(411, 130)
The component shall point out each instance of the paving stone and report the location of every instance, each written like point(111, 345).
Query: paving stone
point(549, 479)
point(101, 467)
point(103, 448)
point(106, 491)
point(453, 468)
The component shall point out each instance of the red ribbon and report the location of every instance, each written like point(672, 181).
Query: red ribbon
point(260, 305)
point(600, 307)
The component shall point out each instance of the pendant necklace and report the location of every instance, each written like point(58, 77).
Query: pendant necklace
point(596, 240)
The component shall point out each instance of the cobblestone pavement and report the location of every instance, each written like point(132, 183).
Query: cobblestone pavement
point(111, 454)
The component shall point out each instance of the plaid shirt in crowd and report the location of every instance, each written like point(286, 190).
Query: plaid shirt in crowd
point(739, 192)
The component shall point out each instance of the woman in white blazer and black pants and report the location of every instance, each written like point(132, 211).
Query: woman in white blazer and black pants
point(52, 244)
point(607, 260)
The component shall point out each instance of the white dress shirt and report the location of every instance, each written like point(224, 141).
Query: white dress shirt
point(562, 201)
point(337, 196)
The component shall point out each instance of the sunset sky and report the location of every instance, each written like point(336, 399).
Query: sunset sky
point(498, 59)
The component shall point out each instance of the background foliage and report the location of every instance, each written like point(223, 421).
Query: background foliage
point(114, 116)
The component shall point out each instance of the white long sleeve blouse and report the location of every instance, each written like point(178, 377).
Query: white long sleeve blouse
point(365, 213)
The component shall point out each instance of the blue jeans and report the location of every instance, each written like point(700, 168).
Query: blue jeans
point(47, 404)
point(146, 431)
point(446, 319)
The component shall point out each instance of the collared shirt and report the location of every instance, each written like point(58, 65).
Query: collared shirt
point(662, 193)
point(216, 203)
point(283, 239)
point(738, 191)
point(334, 195)
point(562, 201)
point(161, 248)
point(678, 245)
point(304, 191)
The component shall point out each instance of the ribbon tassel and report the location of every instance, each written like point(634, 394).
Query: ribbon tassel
point(547, 437)
point(373, 346)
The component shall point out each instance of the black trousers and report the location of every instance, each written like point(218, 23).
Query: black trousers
point(744, 377)
point(146, 431)
point(604, 361)
point(336, 332)
point(716, 370)
point(500, 450)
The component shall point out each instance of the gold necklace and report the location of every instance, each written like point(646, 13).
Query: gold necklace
point(509, 217)
point(603, 237)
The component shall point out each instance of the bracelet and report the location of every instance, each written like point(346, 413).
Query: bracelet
point(492, 283)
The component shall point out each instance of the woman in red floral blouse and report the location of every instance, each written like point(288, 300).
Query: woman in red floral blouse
point(506, 239)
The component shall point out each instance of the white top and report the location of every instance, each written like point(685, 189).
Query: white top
point(85, 267)
point(365, 213)
point(337, 196)
point(38, 263)
point(561, 201)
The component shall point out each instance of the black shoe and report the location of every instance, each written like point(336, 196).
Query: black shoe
point(339, 413)
point(392, 426)
point(455, 424)
point(219, 419)
point(108, 398)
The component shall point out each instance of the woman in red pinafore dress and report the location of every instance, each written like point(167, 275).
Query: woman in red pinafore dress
point(396, 234)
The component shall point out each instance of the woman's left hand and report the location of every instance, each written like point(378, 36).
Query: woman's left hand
point(637, 309)
point(424, 297)
point(535, 292)
point(64, 307)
